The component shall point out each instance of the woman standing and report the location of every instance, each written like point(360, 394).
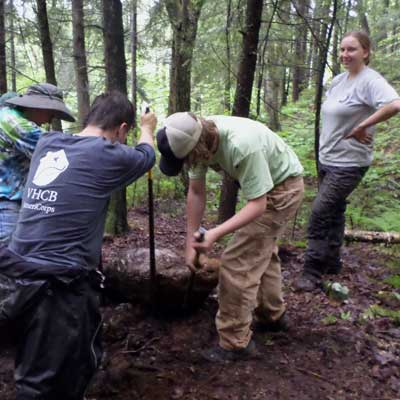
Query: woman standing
point(357, 100)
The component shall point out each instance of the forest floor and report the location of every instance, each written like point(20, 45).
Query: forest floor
point(334, 350)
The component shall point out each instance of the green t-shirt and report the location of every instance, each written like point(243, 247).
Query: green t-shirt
point(251, 154)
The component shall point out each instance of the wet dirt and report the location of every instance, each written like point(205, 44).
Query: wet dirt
point(330, 352)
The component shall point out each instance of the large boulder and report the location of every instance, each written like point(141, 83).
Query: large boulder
point(128, 279)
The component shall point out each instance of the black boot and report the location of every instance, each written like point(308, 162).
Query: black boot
point(280, 325)
point(334, 268)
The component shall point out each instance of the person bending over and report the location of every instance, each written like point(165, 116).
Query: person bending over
point(269, 175)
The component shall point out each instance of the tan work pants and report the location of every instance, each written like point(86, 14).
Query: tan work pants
point(250, 274)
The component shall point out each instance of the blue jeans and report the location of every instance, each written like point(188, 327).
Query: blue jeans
point(327, 221)
point(9, 211)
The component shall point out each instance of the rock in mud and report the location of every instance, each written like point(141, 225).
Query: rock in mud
point(128, 279)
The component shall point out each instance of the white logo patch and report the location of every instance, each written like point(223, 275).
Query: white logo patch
point(50, 166)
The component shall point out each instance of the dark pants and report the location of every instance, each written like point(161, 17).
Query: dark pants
point(327, 221)
point(58, 337)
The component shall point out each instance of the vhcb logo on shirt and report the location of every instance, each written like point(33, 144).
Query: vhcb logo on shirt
point(50, 167)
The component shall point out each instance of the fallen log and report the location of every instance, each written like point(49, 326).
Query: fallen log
point(372, 237)
point(128, 279)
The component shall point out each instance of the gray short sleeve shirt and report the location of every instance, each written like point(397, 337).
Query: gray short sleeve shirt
point(349, 102)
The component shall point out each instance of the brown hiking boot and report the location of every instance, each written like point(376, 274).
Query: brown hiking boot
point(217, 354)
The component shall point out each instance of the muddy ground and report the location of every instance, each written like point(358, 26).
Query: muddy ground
point(331, 351)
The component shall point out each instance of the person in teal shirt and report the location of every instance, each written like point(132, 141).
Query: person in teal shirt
point(270, 177)
point(21, 118)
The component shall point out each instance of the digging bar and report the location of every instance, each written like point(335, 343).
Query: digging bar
point(153, 270)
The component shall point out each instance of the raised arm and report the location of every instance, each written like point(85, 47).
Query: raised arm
point(148, 124)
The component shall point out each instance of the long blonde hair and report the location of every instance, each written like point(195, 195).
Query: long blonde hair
point(207, 143)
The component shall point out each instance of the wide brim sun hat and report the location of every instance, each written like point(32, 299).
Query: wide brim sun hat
point(44, 96)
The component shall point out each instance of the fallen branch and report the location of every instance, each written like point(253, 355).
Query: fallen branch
point(372, 237)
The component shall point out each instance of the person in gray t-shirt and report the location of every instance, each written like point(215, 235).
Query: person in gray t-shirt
point(357, 100)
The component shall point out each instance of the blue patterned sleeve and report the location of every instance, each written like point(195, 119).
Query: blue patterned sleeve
point(17, 132)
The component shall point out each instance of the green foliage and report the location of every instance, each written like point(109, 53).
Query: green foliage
point(298, 132)
point(393, 280)
point(302, 244)
point(329, 320)
point(345, 315)
point(376, 311)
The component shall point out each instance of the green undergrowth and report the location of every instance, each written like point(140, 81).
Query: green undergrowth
point(394, 281)
point(377, 311)
point(388, 305)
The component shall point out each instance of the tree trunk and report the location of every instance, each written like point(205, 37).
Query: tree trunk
point(363, 17)
point(300, 50)
point(114, 51)
point(183, 16)
point(347, 16)
point(12, 48)
point(320, 31)
point(134, 41)
point(323, 56)
point(244, 86)
point(310, 57)
point(261, 59)
point(273, 90)
point(47, 50)
point(282, 52)
point(248, 59)
point(395, 29)
point(3, 69)
point(384, 28)
point(285, 87)
point(79, 54)
point(115, 62)
point(335, 55)
point(45, 39)
point(227, 91)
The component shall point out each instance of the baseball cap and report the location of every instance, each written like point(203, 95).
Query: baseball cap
point(176, 140)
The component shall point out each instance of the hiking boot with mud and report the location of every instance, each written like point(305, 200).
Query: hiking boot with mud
point(217, 354)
